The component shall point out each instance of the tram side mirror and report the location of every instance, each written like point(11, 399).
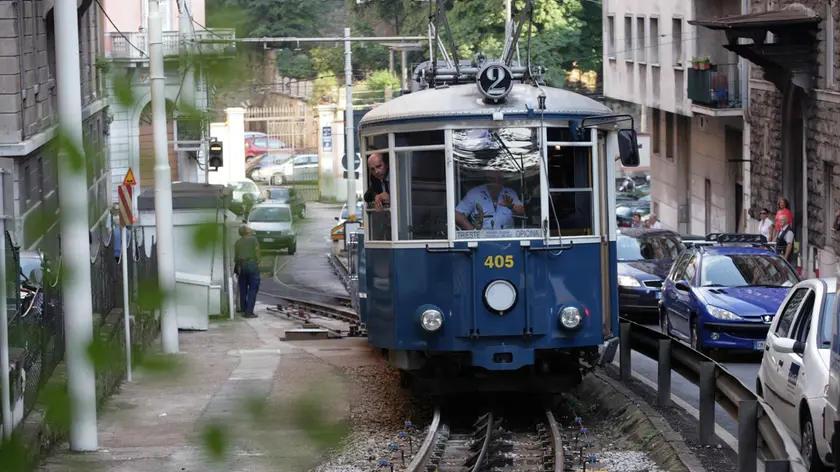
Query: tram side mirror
point(628, 148)
point(788, 346)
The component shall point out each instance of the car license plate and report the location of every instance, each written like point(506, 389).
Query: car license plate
point(758, 345)
point(268, 240)
point(659, 295)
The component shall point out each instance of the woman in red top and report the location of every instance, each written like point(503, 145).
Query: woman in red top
point(784, 209)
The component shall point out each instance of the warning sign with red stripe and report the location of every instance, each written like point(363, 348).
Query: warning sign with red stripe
point(126, 213)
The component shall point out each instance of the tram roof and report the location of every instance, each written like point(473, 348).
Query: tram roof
point(466, 101)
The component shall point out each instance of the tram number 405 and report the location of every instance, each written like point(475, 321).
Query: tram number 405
point(498, 262)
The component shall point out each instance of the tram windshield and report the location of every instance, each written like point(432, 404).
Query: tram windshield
point(497, 183)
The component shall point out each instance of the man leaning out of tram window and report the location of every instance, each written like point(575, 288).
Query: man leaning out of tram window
point(489, 206)
point(379, 187)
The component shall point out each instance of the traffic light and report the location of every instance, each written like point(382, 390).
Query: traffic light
point(215, 160)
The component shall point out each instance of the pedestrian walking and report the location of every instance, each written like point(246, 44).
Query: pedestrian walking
point(785, 241)
point(653, 223)
point(766, 227)
point(247, 269)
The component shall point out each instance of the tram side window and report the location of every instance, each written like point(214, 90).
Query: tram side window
point(373, 143)
point(422, 195)
point(419, 138)
point(570, 190)
point(497, 183)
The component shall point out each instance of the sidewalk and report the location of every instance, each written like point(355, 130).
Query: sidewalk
point(159, 423)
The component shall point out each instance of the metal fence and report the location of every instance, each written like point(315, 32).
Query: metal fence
point(35, 310)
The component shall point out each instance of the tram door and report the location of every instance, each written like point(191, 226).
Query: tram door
point(608, 268)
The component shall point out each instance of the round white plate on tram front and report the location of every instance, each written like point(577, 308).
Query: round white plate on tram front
point(500, 295)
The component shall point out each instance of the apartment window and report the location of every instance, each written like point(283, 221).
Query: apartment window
point(628, 38)
point(669, 136)
point(657, 130)
point(640, 38)
point(27, 184)
point(828, 193)
point(830, 36)
point(677, 38)
point(611, 36)
point(654, 41)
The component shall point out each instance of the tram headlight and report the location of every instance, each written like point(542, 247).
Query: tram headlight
point(431, 320)
point(570, 318)
point(500, 295)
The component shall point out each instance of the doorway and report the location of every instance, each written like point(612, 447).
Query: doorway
point(793, 155)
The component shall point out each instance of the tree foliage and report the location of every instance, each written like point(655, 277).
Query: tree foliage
point(566, 34)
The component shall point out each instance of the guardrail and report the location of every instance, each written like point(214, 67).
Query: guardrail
point(758, 425)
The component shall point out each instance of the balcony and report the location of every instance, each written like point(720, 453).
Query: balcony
point(715, 91)
point(134, 46)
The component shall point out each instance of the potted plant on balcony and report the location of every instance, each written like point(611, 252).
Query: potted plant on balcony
point(695, 62)
point(705, 63)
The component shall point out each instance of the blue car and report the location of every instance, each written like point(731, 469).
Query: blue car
point(725, 295)
point(645, 257)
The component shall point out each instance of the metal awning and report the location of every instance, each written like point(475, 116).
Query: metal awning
point(791, 57)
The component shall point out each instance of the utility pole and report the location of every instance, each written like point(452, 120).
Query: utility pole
point(163, 185)
point(348, 126)
point(187, 97)
point(404, 62)
point(5, 385)
point(73, 204)
point(508, 16)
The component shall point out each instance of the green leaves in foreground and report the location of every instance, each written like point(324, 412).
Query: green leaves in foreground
point(206, 236)
point(215, 440)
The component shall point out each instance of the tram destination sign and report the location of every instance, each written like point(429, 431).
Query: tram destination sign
point(499, 234)
point(495, 81)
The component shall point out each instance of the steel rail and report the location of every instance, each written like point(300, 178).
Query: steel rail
point(729, 391)
point(424, 453)
point(557, 439)
point(331, 311)
point(483, 454)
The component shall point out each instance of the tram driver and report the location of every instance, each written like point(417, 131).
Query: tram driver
point(379, 187)
point(489, 206)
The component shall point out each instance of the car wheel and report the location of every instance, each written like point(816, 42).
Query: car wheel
point(664, 323)
point(810, 455)
point(303, 212)
point(271, 181)
point(696, 343)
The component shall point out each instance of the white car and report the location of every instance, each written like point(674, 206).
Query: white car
point(793, 377)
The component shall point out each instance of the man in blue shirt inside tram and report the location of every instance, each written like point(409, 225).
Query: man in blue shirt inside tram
point(489, 206)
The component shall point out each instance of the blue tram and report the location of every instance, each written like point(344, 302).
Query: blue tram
point(491, 263)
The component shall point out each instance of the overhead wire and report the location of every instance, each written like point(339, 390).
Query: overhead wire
point(143, 53)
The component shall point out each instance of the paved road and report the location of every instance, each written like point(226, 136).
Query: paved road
point(746, 369)
point(307, 274)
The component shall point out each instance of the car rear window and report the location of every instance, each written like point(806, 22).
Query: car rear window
point(268, 214)
point(826, 321)
point(660, 246)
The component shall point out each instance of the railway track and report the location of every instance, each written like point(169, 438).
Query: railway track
point(492, 443)
point(338, 311)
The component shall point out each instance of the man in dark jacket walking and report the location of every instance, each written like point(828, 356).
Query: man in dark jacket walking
point(247, 268)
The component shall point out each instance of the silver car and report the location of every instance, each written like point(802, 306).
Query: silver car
point(272, 225)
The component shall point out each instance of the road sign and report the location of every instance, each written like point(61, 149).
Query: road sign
point(495, 81)
point(126, 213)
point(129, 178)
point(357, 161)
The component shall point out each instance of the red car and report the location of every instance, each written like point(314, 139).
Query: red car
point(261, 144)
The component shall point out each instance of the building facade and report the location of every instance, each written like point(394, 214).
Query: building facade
point(686, 89)
point(127, 49)
point(29, 119)
point(794, 114)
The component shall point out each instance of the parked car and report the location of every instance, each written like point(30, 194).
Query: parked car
point(270, 165)
point(724, 296)
point(262, 144)
point(244, 194)
point(271, 223)
point(360, 211)
point(286, 195)
point(255, 134)
point(645, 257)
point(794, 373)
